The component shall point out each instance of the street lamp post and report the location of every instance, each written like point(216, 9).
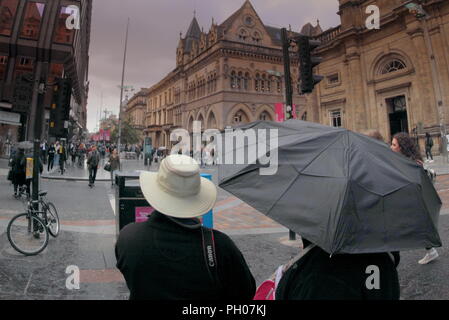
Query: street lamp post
point(121, 91)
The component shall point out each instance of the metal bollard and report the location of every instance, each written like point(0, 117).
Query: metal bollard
point(292, 235)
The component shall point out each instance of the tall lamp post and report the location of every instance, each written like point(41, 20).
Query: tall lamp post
point(121, 91)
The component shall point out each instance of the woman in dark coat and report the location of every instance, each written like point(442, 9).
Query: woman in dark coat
point(18, 170)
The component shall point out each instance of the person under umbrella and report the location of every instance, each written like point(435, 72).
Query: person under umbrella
point(348, 194)
point(403, 144)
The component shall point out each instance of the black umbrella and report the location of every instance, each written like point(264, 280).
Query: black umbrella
point(344, 191)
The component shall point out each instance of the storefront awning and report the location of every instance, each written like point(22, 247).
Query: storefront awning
point(10, 118)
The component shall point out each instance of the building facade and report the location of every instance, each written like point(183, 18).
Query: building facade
point(392, 79)
point(135, 111)
point(227, 76)
point(37, 44)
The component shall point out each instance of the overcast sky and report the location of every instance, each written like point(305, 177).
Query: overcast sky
point(154, 35)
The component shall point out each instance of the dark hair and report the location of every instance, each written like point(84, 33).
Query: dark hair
point(408, 146)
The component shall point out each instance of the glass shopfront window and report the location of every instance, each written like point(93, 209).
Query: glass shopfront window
point(8, 10)
point(63, 34)
point(32, 20)
point(3, 65)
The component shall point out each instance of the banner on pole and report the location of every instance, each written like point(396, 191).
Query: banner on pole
point(280, 112)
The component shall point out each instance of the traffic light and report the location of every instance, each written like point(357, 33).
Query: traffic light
point(60, 108)
point(307, 62)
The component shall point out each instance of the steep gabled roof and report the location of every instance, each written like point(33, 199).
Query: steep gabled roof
point(193, 34)
point(194, 30)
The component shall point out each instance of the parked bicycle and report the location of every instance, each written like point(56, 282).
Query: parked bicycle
point(28, 232)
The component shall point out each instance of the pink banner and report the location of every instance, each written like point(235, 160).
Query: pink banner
point(105, 135)
point(280, 112)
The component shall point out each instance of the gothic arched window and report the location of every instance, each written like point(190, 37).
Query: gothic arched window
point(257, 82)
point(246, 81)
point(233, 80)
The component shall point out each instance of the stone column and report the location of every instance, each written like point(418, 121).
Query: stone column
point(356, 98)
point(426, 97)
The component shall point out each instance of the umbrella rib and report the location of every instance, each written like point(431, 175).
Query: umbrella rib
point(288, 187)
point(318, 155)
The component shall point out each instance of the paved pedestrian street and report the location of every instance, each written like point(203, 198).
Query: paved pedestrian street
point(87, 238)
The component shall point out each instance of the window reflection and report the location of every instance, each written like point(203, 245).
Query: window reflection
point(62, 33)
point(32, 20)
point(3, 65)
point(8, 9)
point(23, 65)
point(56, 71)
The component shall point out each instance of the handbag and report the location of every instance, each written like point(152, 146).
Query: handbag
point(10, 175)
point(107, 167)
point(267, 289)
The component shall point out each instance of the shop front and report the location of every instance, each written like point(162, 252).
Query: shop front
point(9, 131)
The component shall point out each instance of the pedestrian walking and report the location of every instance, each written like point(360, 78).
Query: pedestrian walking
point(92, 163)
point(62, 158)
point(18, 166)
point(429, 145)
point(51, 157)
point(171, 256)
point(114, 161)
point(57, 146)
point(44, 150)
point(402, 143)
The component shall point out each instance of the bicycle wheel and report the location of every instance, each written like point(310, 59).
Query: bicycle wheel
point(52, 219)
point(28, 235)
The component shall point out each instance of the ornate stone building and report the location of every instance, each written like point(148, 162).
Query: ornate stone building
point(392, 79)
point(226, 76)
point(136, 110)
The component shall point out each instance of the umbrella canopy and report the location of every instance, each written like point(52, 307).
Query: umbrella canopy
point(344, 191)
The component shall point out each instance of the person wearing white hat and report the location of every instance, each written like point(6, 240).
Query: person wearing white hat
point(171, 256)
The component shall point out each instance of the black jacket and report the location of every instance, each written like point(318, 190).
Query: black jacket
point(18, 167)
point(317, 276)
point(163, 260)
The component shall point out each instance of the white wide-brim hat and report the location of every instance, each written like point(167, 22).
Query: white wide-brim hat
point(177, 189)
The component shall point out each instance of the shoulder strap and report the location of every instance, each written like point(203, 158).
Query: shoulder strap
point(289, 264)
point(210, 254)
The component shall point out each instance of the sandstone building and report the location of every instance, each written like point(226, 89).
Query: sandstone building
point(226, 76)
point(392, 79)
